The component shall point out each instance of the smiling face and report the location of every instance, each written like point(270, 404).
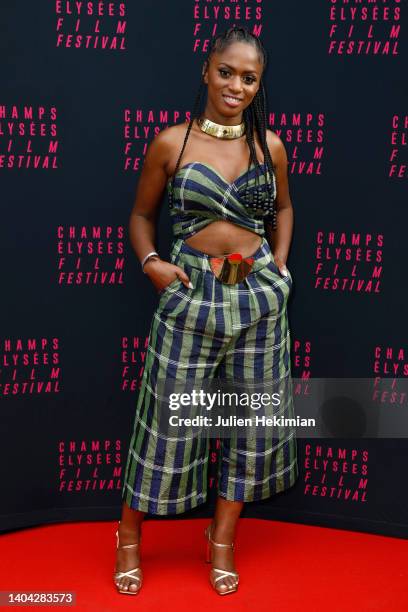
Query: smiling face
point(233, 78)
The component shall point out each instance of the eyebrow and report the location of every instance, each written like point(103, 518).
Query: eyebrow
point(232, 68)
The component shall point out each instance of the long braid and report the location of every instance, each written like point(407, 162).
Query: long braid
point(261, 127)
point(254, 117)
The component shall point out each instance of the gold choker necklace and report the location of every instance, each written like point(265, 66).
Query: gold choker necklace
point(221, 131)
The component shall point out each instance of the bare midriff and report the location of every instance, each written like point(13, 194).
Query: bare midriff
point(221, 238)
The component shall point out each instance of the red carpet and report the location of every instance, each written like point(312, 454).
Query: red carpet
point(283, 567)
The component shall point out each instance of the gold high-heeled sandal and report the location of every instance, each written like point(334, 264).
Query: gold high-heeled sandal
point(222, 573)
point(118, 575)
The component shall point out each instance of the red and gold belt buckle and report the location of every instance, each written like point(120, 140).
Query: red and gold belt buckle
point(232, 268)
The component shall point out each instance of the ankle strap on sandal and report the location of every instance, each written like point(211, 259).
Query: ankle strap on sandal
point(125, 545)
point(221, 545)
point(208, 533)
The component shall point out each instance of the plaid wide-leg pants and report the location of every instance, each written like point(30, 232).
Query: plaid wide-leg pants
point(212, 330)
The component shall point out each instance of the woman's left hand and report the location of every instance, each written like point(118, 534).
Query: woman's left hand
point(282, 266)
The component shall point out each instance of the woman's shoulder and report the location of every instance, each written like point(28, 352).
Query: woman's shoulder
point(275, 145)
point(272, 138)
point(169, 138)
point(172, 133)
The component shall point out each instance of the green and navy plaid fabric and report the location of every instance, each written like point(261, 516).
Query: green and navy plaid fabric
point(201, 195)
point(212, 330)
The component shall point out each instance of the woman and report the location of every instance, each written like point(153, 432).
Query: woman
point(222, 308)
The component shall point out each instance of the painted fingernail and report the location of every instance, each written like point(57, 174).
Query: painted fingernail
point(190, 285)
point(284, 272)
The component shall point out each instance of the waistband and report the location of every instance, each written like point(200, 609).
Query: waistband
point(181, 251)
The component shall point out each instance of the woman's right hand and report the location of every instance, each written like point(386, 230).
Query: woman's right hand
point(162, 273)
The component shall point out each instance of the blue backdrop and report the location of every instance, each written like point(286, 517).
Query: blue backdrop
point(84, 88)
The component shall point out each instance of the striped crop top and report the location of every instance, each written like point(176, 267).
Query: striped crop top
point(201, 195)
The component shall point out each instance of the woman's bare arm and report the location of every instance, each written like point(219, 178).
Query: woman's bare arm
point(146, 210)
point(280, 239)
point(149, 192)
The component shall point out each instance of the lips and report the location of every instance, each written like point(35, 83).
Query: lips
point(232, 100)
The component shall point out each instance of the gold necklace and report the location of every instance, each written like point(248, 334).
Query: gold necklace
point(221, 131)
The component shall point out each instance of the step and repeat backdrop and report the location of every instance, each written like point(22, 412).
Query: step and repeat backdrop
point(85, 86)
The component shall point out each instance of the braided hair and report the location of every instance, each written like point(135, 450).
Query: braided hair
point(254, 117)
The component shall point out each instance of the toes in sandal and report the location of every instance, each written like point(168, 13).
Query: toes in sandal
point(221, 573)
point(133, 574)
